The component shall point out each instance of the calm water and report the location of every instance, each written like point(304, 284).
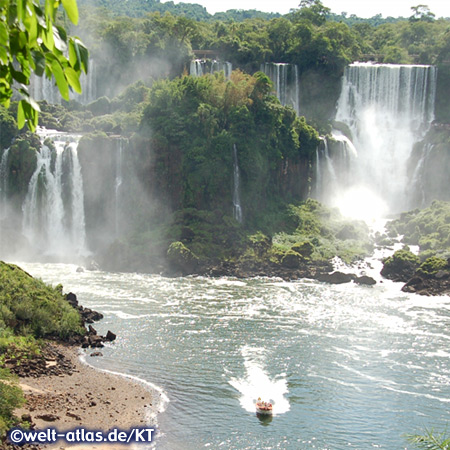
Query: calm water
point(346, 367)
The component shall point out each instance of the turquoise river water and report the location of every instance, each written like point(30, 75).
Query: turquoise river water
point(346, 367)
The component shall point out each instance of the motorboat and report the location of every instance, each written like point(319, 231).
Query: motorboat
point(263, 407)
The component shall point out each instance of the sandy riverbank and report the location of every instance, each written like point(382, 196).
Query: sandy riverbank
point(87, 398)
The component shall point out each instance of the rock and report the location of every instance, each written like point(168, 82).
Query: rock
point(96, 354)
point(80, 269)
point(110, 336)
point(92, 330)
point(401, 266)
point(73, 415)
point(48, 417)
point(364, 279)
point(72, 299)
point(95, 341)
point(85, 343)
point(291, 260)
point(304, 249)
point(336, 277)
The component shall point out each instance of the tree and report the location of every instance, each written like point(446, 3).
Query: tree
point(32, 42)
point(422, 12)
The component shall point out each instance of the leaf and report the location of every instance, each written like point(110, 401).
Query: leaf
point(72, 10)
point(73, 79)
point(61, 81)
point(39, 63)
point(3, 55)
point(3, 34)
point(49, 9)
point(58, 40)
point(20, 115)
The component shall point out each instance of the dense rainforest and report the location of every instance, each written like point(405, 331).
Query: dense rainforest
point(183, 136)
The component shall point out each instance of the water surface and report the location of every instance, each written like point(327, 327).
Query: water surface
point(347, 367)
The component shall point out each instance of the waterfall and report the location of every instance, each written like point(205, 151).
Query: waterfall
point(53, 210)
point(118, 184)
point(237, 209)
point(199, 67)
point(417, 181)
point(334, 158)
point(4, 179)
point(286, 82)
point(387, 108)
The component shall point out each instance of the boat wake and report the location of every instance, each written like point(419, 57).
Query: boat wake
point(257, 383)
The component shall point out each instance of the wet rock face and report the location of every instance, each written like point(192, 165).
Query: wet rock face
point(436, 284)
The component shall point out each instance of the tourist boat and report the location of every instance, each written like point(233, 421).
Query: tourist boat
point(263, 407)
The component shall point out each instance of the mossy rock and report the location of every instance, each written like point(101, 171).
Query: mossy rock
point(305, 249)
point(401, 266)
point(292, 260)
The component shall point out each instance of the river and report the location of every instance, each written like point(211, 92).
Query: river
point(347, 367)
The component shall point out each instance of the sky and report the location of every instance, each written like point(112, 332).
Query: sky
point(362, 8)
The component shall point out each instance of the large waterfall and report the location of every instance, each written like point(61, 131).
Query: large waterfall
point(53, 210)
point(286, 83)
point(387, 108)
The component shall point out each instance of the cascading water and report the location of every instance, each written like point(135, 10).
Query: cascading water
point(118, 183)
point(387, 108)
point(4, 178)
point(53, 210)
point(199, 67)
point(334, 159)
point(286, 82)
point(237, 209)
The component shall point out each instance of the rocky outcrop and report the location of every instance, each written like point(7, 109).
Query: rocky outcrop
point(429, 284)
point(401, 266)
point(88, 316)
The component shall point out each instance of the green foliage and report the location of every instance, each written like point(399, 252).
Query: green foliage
point(402, 257)
point(194, 124)
point(29, 306)
point(429, 227)
point(430, 440)
point(11, 397)
point(433, 265)
point(8, 128)
point(32, 42)
point(315, 232)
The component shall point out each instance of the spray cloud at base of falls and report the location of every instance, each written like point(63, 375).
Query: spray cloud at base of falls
point(386, 108)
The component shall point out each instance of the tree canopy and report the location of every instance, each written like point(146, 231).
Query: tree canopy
point(31, 41)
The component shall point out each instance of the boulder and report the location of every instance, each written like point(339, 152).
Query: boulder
point(364, 279)
point(291, 260)
point(110, 336)
point(401, 266)
point(336, 277)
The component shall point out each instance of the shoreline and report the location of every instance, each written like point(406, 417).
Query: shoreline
point(87, 397)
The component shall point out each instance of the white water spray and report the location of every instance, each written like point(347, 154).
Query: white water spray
point(387, 109)
point(286, 82)
point(53, 210)
point(257, 383)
